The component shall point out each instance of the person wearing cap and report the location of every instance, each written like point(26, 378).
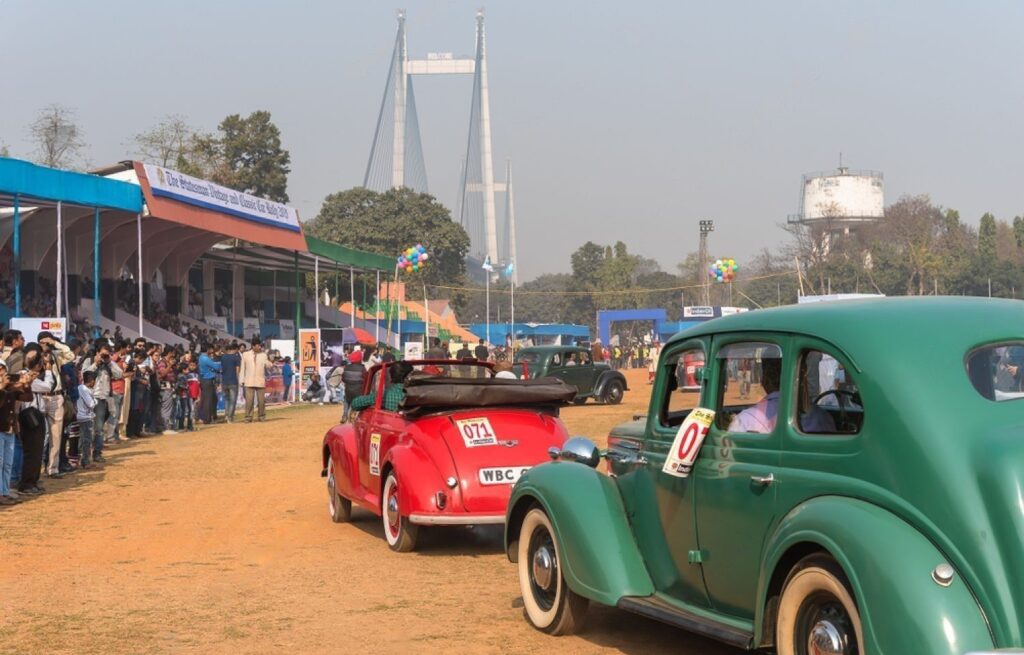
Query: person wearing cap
point(253, 377)
point(49, 390)
point(352, 377)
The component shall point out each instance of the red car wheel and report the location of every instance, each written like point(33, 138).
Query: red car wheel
point(339, 506)
point(401, 534)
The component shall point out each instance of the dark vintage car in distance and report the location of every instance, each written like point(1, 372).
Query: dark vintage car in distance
point(859, 488)
point(575, 366)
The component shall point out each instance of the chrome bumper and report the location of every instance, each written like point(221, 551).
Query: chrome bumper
point(457, 519)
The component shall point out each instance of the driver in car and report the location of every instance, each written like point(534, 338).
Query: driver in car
point(394, 392)
point(761, 417)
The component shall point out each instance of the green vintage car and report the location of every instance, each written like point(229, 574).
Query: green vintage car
point(574, 366)
point(859, 489)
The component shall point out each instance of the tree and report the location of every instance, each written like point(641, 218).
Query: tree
point(386, 223)
point(1018, 230)
point(586, 263)
point(172, 142)
point(987, 240)
point(245, 154)
point(57, 137)
point(251, 148)
point(4, 152)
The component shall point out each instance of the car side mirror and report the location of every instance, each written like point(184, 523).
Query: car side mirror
point(578, 449)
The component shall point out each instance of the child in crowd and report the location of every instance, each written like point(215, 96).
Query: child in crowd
point(186, 391)
point(85, 419)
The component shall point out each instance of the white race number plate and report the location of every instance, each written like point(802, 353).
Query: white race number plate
point(476, 432)
point(502, 474)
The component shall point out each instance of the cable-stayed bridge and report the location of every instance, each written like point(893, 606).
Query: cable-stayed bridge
point(396, 156)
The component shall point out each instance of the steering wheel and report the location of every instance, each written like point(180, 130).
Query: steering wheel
point(844, 420)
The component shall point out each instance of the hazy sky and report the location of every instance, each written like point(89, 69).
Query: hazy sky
point(624, 120)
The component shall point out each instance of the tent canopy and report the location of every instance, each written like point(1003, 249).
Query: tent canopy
point(39, 185)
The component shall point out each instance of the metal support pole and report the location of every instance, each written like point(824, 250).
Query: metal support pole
point(352, 293)
point(17, 255)
point(398, 296)
point(298, 309)
point(316, 284)
point(337, 287)
point(96, 271)
point(376, 314)
point(58, 309)
point(512, 297)
point(488, 306)
point(426, 320)
point(142, 300)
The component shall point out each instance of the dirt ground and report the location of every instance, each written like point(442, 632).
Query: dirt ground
point(219, 541)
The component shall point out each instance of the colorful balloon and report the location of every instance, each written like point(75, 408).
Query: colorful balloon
point(723, 270)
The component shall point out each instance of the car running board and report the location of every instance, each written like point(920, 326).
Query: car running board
point(660, 610)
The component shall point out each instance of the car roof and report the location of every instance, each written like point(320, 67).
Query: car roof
point(883, 326)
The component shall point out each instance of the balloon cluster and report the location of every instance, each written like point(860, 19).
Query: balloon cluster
point(724, 270)
point(413, 259)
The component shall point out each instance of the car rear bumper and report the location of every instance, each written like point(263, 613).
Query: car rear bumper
point(457, 519)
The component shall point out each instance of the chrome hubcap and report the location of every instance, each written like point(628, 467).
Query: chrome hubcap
point(826, 639)
point(543, 568)
point(392, 509)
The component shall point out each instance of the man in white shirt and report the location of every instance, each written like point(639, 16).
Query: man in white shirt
point(252, 376)
point(761, 416)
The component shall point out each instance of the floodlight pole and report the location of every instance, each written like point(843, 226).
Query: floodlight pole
point(316, 284)
point(706, 227)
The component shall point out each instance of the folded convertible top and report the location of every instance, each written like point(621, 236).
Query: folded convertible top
point(439, 393)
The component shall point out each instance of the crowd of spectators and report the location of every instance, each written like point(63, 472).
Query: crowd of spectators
point(63, 404)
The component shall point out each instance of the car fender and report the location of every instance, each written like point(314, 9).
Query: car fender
point(340, 445)
point(418, 478)
point(605, 377)
point(889, 566)
point(599, 557)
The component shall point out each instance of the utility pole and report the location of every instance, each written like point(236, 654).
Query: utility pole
point(706, 227)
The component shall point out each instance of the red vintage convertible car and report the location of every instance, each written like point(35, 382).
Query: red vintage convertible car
point(449, 455)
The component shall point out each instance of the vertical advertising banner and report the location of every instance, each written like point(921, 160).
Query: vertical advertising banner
point(287, 328)
point(309, 355)
point(250, 328)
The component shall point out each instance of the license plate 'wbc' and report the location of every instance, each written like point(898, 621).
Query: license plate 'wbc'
point(502, 474)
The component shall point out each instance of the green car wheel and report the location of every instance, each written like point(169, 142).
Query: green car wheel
point(817, 612)
point(551, 606)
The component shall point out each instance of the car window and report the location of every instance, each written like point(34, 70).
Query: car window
point(828, 400)
point(528, 357)
point(996, 370)
point(556, 359)
point(749, 375)
point(584, 359)
point(684, 371)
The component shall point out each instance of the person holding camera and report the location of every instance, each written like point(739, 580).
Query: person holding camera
point(106, 370)
point(49, 389)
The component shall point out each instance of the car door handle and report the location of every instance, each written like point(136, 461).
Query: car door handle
point(763, 480)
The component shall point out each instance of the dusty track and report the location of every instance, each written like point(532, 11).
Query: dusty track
point(219, 541)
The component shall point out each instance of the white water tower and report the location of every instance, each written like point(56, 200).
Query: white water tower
point(840, 200)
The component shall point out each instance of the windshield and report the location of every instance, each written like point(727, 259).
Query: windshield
point(466, 370)
point(527, 357)
point(996, 370)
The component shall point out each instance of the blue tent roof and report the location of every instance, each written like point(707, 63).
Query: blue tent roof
point(39, 183)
